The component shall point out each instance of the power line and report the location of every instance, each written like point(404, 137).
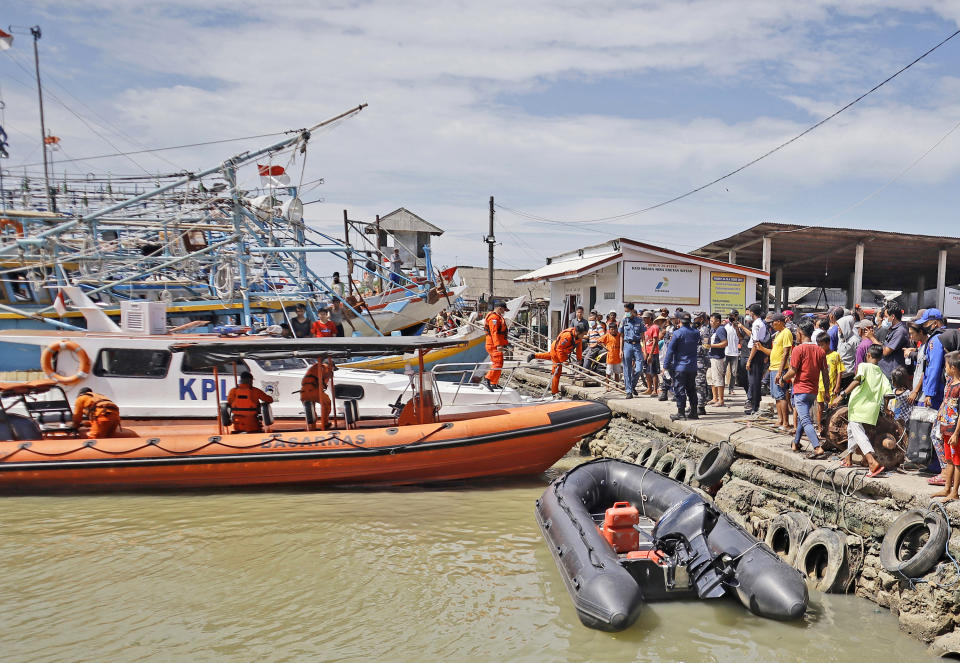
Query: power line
point(779, 147)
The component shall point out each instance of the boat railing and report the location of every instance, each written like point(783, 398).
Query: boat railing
point(466, 373)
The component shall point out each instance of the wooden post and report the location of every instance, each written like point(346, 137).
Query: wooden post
point(346, 239)
point(941, 278)
point(422, 415)
point(216, 387)
point(379, 256)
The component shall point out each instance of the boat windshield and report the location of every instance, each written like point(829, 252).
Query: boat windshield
point(285, 364)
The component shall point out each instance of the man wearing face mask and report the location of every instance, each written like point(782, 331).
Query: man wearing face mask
point(757, 361)
point(897, 338)
point(631, 332)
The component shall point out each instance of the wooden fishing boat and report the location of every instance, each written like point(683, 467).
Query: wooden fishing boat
point(38, 453)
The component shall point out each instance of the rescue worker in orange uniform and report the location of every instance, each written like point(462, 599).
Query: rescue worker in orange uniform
point(313, 390)
point(98, 412)
point(244, 401)
point(567, 340)
point(495, 328)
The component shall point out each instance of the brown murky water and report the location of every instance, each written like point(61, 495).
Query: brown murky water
point(457, 573)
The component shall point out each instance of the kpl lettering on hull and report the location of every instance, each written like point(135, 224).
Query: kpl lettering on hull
point(205, 387)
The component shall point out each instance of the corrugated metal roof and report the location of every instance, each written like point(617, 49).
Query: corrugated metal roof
point(476, 278)
point(575, 267)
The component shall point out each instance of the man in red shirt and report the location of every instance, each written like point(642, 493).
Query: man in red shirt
point(323, 327)
point(808, 364)
point(651, 353)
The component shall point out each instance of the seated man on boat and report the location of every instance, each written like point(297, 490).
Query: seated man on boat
point(244, 401)
point(96, 411)
point(313, 390)
point(567, 340)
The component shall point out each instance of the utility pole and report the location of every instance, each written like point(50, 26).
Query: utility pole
point(35, 32)
point(490, 240)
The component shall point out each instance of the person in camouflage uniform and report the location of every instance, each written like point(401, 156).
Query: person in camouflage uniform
point(666, 333)
point(703, 361)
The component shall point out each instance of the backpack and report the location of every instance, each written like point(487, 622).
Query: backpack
point(950, 339)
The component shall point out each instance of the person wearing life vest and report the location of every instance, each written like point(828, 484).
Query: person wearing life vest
point(244, 401)
point(568, 340)
point(495, 327)
point(313, 390)
point(98, 412)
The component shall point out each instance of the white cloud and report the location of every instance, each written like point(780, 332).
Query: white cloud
point(437, 139)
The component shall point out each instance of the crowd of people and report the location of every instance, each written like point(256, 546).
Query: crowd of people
point(809, 365)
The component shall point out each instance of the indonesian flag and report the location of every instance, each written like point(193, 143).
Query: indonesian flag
point(6, 40)
point(273, 175)
point(51, 140)
point(60, 304)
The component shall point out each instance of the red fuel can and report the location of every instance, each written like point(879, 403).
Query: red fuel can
point(618, 527)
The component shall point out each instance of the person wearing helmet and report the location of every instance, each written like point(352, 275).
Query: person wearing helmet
point(495, 328)
point(96, 411)
point(568, 340)
point(244, 401)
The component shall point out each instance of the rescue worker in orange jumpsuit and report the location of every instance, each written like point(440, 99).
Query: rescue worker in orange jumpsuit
point(567, 340)
point(244, 401)
point(97, 411)
point(313, 390)
point(495, 328)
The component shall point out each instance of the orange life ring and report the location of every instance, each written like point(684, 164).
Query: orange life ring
point(10, 223)
point(46, 361)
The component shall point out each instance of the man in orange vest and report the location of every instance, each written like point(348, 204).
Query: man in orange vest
point(567, 340)
point(98, 412)
point(496, 330)
point(244, 401)
point(313, 390)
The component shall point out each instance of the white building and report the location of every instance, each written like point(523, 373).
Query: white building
point(605, 276)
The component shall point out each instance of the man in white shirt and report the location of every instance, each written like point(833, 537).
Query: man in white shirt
point(731, 354)
point(758, 361)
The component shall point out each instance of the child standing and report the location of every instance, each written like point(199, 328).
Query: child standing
point(835, 369)
point(949, 431)
point(901, 406)
point(611, 341)
point(866, 393)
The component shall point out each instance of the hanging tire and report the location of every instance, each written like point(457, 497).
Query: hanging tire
point(683, 470)
point(649, 454)
point(715, 464)
point(914, 543)
point(785, 534)
point(665, 464)
point(822, 559)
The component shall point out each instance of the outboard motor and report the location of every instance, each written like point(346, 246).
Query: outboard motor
point(681, 533)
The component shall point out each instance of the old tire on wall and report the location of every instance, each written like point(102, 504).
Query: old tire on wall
point(914, 543)
point(822, 559)
point(665, 463)
point(715, 464)
point(683, 470)
point(785, 534)
point(650, 453)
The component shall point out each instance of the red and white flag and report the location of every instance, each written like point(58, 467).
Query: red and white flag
point(60, 304)
point(273, 175)
point(6, 40)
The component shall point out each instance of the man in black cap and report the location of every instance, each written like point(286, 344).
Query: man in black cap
point(681, 360)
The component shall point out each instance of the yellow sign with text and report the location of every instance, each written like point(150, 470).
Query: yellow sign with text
point(727, 291)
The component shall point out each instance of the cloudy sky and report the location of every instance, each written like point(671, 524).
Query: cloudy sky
point(567, 111)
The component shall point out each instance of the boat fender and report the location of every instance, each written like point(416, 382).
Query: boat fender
point(665, 464)
point(715, 464)
point(51, 351)
point(650, 453)
point(266, 414)
point(785, 534)
point(683, 471)
point(903, 538)
point(11, 223)
point(822, 559)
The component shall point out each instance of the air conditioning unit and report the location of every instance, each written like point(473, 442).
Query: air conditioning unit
point(143, 317)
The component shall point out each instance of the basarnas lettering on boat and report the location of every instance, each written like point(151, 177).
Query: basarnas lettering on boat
point(324, 440)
